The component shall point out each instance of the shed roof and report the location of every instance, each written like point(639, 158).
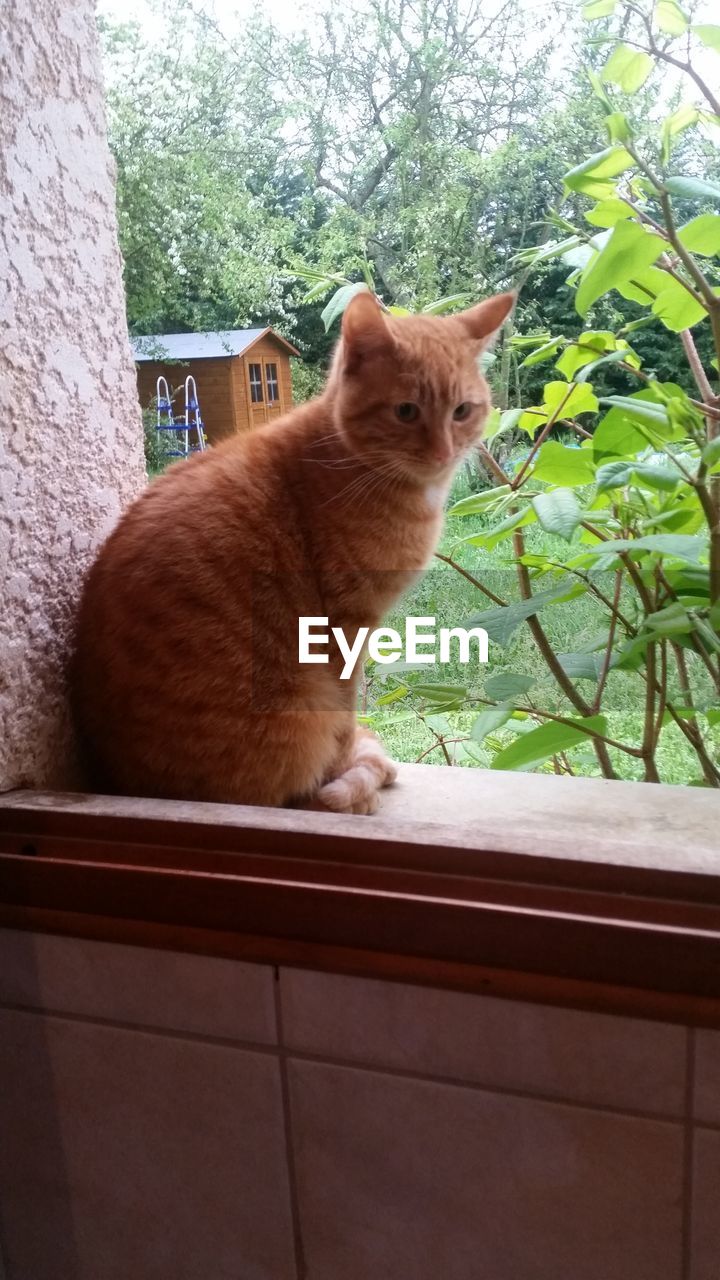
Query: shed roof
point(202, 346)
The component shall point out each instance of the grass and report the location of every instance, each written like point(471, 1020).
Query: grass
point(408, 726)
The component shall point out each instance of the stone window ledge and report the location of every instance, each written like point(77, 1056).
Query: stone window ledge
point(571, 891)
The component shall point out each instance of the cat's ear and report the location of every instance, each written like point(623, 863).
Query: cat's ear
point(484, 321)
point(364, 331)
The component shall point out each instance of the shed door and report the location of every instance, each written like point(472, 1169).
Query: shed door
point(256, 392)
point(271, 370)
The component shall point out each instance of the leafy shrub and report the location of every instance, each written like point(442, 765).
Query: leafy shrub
point(307, 381)
point(632, 507)
point(157, 444)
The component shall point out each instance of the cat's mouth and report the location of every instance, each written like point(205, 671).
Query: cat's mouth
point(429, 472)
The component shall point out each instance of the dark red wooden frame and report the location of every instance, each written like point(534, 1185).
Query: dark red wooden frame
point(419, 905)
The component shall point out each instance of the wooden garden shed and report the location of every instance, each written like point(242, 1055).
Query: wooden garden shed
point(242, 375)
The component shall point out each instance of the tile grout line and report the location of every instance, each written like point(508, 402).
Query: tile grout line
point(4, 1272)
point(288, 1131)
point(688, 1157)
point(375, 1068)
point(142, 1028)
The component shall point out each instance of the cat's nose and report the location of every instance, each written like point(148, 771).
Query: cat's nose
point(441, 456)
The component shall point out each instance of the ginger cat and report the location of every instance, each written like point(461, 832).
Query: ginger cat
point(186, 681)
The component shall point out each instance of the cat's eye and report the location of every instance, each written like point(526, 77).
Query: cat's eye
point(407, 412)
point(463, 411)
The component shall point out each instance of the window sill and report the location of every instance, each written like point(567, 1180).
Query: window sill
point(573, 891)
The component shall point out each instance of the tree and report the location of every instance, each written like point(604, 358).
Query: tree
point(203, 245)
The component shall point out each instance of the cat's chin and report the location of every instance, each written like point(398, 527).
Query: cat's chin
point(439, 476)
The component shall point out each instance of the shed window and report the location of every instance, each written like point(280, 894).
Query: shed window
point(256, 387)
point(271, 381)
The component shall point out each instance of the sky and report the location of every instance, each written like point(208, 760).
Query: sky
point(291, 16)
point(294, 15)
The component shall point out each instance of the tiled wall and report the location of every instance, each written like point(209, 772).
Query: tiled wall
point(171, 1117)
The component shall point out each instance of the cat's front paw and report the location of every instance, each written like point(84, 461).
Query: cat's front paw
point(370, 752)
point(353, 792)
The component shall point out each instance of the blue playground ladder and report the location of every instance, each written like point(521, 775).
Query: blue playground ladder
point(190, 421)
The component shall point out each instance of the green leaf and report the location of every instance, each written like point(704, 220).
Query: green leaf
point(657, 477)
point(709, 34)
point(543, 252)
point(440, 692)
point(627, 68)
point(644, 287)
point(581, 399)
point(674, 124)
point(532, 418)
point(492, 537)
point(598, 9)
point(490, 719)
point(399, 311)
point(640, 410)
point(546, 741)
point(559, 464)
point(522, 340)
point(607, 212)
point(500, 623)
point(681, 546)
point(713, 713)
point(670, 621)
point(393, 696)
point(585, 350)
point(670, 18)
point(613, 475)
point(508, 684)
point(641, 407)
point(613, 357)
point(339, 302)
point(499, 422)
point(598, 90)
point(318, 290)
point(702, 234)
point(492, 424)
point(477, 502)
point(692, 188)
point(677, 307)
point(392, 668)
point(618, 127)
point(711, 453)
point(617, 436)
point(439, 723)
point(447, 304)
point(509, 418)
point(544, 352)
point(640, 419)
point(629, 249)
point(558, 512)
point(708, 634)
point(597, 169)
point(582, 666)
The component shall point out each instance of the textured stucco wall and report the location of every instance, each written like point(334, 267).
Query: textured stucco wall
point(70, 436)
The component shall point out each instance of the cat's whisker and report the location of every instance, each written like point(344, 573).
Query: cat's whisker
point(334, 463)
point(353, 489)
point(365, 485)
point(334, 435)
